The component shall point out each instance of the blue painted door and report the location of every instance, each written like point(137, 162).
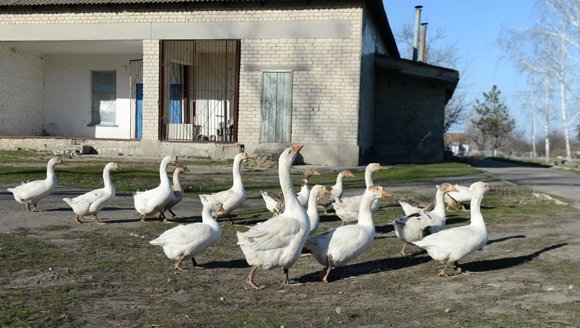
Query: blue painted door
point(139, 110)
point(175, 103)
point(276, 107)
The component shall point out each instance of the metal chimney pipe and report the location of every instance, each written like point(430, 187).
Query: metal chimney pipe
point(416, 32)
point(423, 42)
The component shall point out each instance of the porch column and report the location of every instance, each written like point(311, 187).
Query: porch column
point(151, 89)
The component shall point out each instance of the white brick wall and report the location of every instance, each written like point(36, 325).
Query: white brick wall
point(326, 87)
point(150, 89)
point(325, 99)
point(325, 95)
point(21, 88)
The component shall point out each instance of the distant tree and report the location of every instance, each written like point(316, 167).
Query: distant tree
point(493, 120)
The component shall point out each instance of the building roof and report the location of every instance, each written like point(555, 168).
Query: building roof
point(446, 76)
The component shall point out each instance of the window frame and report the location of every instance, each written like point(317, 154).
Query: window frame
point(111, 91)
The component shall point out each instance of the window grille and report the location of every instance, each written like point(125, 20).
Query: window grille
point(200, 90)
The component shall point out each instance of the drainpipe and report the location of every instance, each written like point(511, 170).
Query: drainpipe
point(422, 43)
point(416, 32)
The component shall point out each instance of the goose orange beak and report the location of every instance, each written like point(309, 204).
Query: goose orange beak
point(454, 189)
point(297, 148)
point(177, 160)
point(315, 172)
point(384, 192)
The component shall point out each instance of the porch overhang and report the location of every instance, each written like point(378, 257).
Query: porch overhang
point(446, 77)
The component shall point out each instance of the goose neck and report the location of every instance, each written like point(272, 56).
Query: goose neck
point(176, 184)
point(439, 203)
point(285, 178)
point(207, 218)
point(368, 178)
point(237, 176)
point(313, 212)
point(164, 179)
point(365, 216)
point(338, 183)
point(50, 170)
point(107, 178)
point(475, 208)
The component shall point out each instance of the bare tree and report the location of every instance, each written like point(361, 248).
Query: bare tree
point(550, 49)
point(440, 53)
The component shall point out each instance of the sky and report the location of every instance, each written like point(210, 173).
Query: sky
point(474, 28)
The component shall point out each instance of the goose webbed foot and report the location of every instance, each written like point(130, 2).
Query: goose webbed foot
point(177, 266)
point(78, 219)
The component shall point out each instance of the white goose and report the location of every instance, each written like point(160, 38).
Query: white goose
point(347, 208)
point(336, 190)
point(275, 200)
point(312, 210)
point(416, 226)
point(454, 199)
point(187, 241)
point(409, 209)
point(303, 194)
point(337, 247)
point(234, 197)
point(278, 241)
point(154, 200)
point(177, 194)
point(32, 192)
point(453, 244)
point(93, 201)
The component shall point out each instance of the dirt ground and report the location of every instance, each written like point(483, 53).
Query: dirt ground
point(54, 272)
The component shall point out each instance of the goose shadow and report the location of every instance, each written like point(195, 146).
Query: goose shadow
point(493, 241)
point(329, 218)
point(384, 228)
point(245, 221)
point(231, 264)
point(359, 269)
point(58, 209)
point(456, 220)
point(506, 262)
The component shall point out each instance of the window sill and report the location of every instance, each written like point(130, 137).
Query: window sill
point(106, 125)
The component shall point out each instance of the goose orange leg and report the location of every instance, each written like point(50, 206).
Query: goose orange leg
point(250, 279)
point(328, 268)
point(286, 281)
point(442, 273)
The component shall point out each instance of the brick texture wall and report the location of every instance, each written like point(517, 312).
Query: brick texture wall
point(21, 92)
point(326, 92)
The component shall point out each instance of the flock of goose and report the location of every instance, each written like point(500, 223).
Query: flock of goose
point(279, 241)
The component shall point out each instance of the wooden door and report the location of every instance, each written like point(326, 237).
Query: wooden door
point(276, 107)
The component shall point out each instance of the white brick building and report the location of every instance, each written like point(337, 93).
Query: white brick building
point(203, 78)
